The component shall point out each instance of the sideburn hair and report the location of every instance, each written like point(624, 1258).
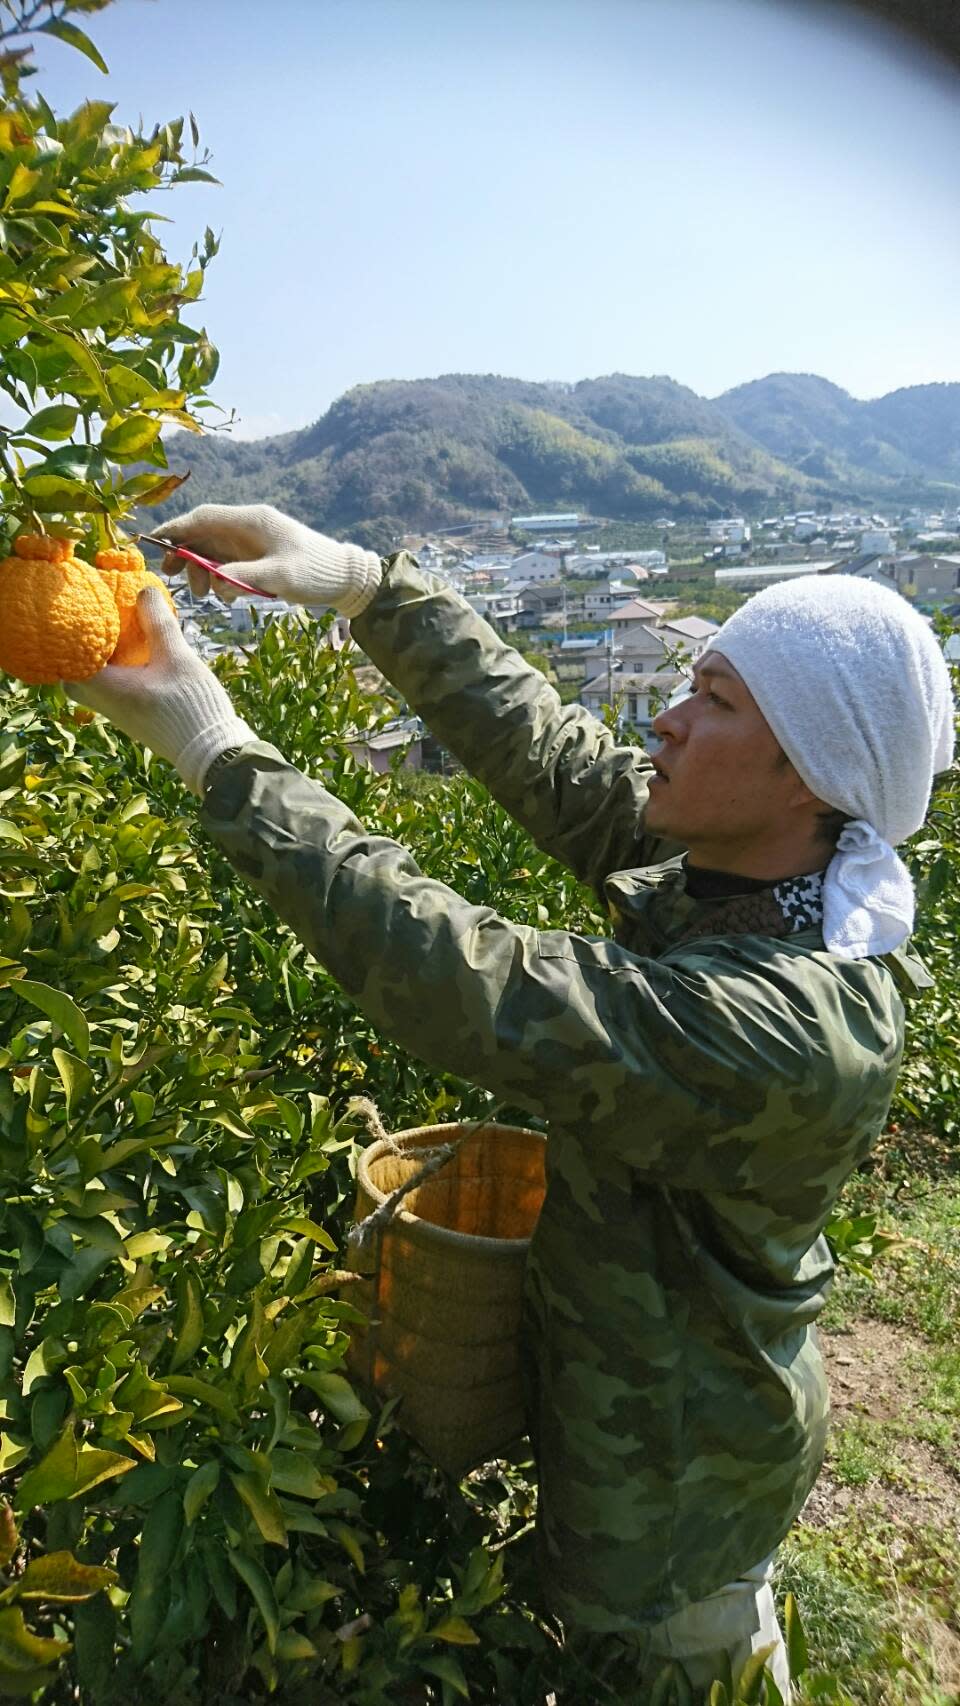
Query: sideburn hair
point(831, 822)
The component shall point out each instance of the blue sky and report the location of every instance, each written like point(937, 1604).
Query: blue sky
point(554, 189)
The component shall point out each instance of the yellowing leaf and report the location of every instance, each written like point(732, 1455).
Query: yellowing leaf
point(9, 1538)
point(60, 1577)
point(146, 1244)
point(457, 1630)
point(20, 1650)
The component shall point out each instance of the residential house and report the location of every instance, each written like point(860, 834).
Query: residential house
point(501, 608)
point(638, 612)
point(918, 575)
point(538, 601)
point(380, 751)
point(642, 648)
point(690, 632)
point(621, 561)
point(600, 602)
point(640, 697)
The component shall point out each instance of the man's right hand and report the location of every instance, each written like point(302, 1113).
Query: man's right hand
point(275, 554)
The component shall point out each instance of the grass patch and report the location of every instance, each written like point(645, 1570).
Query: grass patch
point(915, 1284)
point(935, 1375)
point(863, 1450)
point(858, 1648)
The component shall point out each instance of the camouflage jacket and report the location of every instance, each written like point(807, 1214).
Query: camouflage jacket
point(710, 1076)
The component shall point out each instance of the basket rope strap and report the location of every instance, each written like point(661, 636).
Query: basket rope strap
point(371, 1230)
point(432, 1161)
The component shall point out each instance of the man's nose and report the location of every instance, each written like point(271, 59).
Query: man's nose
point(669, 724)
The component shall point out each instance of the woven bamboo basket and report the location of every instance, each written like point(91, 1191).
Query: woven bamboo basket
point(443, 1284)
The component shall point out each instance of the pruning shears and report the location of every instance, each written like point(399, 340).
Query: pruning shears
point(207, 563)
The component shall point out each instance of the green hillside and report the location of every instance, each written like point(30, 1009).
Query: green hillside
point(411, 454)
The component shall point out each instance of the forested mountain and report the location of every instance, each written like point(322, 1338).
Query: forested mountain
point(826, 433)
point(428, 453)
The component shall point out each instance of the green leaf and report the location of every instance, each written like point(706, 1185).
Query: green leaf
point(310, 1593)
point(11, 1453)
point(95, 1628)
point(57, 421)
point(309, 1229)
point(291, 1472)
point(67, 1471)
point(8, 1303)
point(74, 38)
point(130, 437)
point(447, 1668)
point(796, 1640)
point(351, 1545)
point(201, 1484)
point(75, 1075)
point(60, 1008)
point(60, 1577)
point(188, 1327)
point(337, 1395)
point(750, 1680)
point(187, 1386)
point(290, 1115)
point(255, 1578)
point(263, 1505)
point(150, 1598)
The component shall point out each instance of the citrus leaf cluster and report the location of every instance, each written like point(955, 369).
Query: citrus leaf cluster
point(97, 350)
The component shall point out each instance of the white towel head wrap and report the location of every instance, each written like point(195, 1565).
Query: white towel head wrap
point(855, 688)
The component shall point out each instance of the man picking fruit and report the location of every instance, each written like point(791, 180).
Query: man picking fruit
point(710, 1074)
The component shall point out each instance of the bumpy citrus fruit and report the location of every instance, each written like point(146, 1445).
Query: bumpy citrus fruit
point(126, 574)
point(57, 619)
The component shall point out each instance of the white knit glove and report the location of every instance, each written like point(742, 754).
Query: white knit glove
point(273, 553)
point(174, 704)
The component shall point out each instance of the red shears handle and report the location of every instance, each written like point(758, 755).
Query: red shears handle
point(203, 563)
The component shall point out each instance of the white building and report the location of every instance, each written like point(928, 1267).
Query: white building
point(751, 577)
point(878, 540)
point(734, 531)
point(546, 523)
point(533, 566)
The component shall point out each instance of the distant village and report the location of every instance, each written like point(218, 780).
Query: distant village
point(613, 629)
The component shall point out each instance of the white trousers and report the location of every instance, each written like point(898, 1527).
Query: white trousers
point(737, 1620)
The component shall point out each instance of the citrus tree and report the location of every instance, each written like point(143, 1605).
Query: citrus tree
point(195, 1503)
point(95, 354)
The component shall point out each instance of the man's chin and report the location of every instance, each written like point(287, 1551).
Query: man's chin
point(657, 815)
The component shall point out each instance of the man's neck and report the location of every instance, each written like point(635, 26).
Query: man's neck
point(762, 867)
point(703, 883)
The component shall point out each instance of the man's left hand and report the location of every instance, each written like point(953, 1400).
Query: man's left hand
point(174, 704)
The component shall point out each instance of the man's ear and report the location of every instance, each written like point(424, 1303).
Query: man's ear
point(800, 796)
